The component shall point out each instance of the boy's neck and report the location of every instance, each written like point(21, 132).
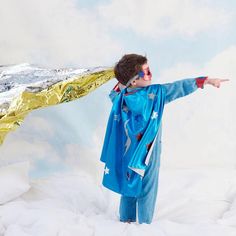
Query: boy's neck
point(133, 87)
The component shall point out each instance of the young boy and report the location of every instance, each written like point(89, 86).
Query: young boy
point(132, 144)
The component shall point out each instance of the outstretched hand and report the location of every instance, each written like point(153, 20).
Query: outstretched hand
point(215, 82)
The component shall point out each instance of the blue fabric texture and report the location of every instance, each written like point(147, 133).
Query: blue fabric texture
point(141, 200)
point(133, 124)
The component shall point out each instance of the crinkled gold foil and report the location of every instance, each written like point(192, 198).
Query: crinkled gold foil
point(60, 92)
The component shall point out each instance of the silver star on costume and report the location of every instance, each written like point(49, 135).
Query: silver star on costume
point(117, 117)
point(154, 115)
point(151, 96)
point(106, 171)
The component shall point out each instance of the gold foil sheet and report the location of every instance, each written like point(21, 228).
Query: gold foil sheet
point(60, 92)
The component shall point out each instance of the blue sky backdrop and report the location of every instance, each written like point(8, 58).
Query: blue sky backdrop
point(180, 38)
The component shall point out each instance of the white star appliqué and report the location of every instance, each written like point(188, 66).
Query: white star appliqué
point(117, 118)
point(106, 171)
point(154, 115)
point(151, 96)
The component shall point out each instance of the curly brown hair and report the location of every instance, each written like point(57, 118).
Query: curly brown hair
point(128, 66)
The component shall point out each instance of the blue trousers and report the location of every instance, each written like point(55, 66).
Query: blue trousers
point(143, 205)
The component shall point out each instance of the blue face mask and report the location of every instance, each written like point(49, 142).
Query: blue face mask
point(140, 74)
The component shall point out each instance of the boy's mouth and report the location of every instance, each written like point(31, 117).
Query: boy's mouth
point(147, 79)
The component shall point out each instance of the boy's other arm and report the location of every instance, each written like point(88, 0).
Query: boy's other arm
point(182, 88)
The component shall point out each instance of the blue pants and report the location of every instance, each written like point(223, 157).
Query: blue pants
point(145, 203)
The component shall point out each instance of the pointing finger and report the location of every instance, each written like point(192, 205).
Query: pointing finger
point(224, 80)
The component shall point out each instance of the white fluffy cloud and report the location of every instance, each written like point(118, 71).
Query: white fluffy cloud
point(31, 142)
point(87, 158)
point(156, 18)
point(53, 33)
point(200, 130)
point(221, 65)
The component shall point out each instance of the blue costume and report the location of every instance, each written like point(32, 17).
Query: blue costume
point(132, 144)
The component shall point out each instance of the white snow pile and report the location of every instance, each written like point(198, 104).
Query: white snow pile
point(190, 202)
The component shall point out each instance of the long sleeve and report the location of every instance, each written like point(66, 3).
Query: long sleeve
point(182, 88)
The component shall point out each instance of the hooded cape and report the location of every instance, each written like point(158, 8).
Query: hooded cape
point(133, 124)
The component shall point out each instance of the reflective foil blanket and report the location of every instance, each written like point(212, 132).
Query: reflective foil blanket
point(26, 87)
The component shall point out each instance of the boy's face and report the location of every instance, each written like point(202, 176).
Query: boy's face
point(146, 79)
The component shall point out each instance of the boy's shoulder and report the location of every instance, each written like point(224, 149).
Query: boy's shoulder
point(149, 87)
point(153, 87)
point(151, 90)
